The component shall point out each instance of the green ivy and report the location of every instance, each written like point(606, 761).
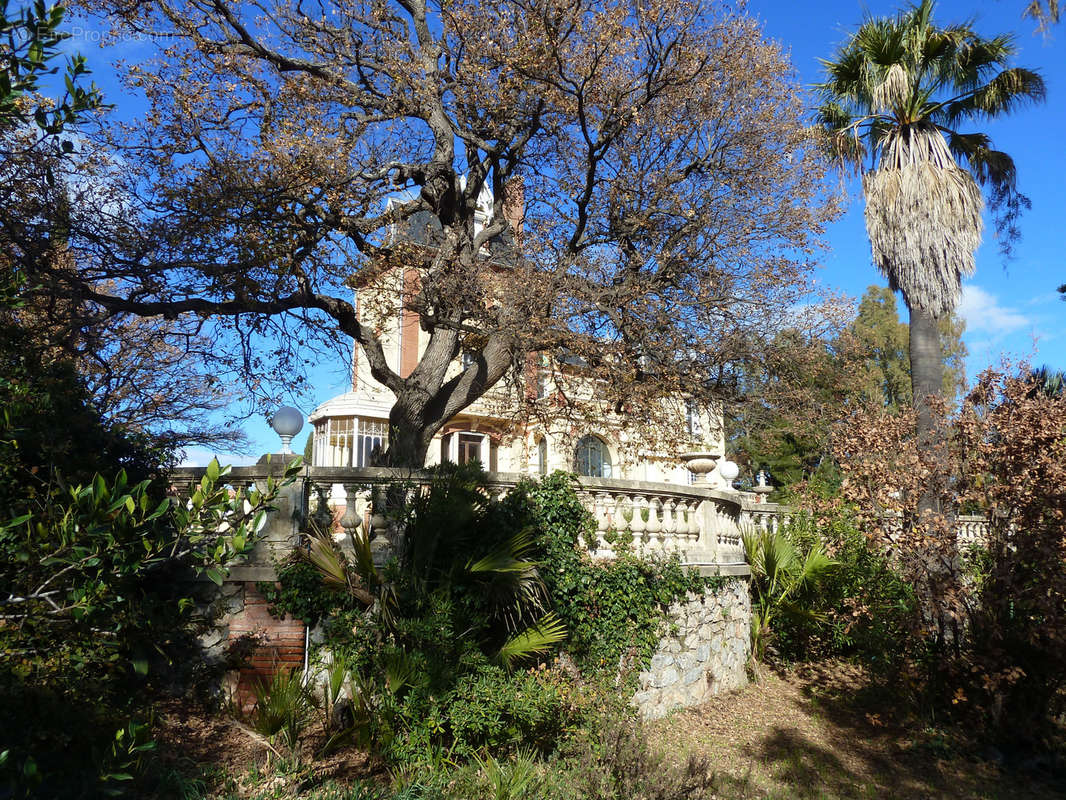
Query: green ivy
point(300, 593)
point(613, 609)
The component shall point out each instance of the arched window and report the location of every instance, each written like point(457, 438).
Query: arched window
point(542, 456)
point(592, 458)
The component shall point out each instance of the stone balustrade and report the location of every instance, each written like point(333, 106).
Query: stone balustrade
point(971, 529)
point(770, 517)
point(702, 525)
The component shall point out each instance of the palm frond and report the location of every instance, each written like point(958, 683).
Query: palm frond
point(512, 582)
point(988, 166)
point(535, 640)
point(333, 567)
point(1006, 92)
point(923, 216)
point(510, 556)
point(1044, 14)
point(324, 556)
point(903, 77)
point(401, 672)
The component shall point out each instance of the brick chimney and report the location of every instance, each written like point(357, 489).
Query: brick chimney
point(514, 204)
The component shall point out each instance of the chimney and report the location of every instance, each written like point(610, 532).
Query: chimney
point(514, 204)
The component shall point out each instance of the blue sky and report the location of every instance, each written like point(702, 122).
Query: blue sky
point(1010, 308)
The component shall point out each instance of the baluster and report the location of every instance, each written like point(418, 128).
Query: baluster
point(351, 520)
point(654, 526)
point(637, 524)
point(694, 520)
point(669, 525)
point(600, 503)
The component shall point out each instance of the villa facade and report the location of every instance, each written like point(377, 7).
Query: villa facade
point(498, 429)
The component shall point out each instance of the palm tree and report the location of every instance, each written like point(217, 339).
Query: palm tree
point(894, 98)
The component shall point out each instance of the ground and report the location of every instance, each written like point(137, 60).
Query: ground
point(813, 733)
point(818, 731)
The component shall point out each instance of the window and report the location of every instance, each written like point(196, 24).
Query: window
point(542, 385)
point(469, 448)
point(349, 441)
point(542, 456)
point(465, 446)
point(372, 439)
point(692, 418)
point(592, 458)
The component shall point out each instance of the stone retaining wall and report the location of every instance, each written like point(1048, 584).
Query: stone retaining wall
point(704, 653)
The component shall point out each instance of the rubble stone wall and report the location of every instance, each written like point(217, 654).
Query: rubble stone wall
point(703, 653)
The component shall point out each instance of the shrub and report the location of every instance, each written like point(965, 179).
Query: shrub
point(301, 593)
point(283, 711)
point(785, 575)
point(990, 630)
point(614, 608)
point(452, 655)
point(89, 575)
point(862, 607)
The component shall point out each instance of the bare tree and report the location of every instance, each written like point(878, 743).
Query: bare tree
point(147, 375)
point(654, 200)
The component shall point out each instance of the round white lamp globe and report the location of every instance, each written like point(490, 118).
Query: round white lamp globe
point(729, 471)
point(287, 422)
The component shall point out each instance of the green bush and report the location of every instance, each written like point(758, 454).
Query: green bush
point(861, 608)
point(89, 580)
point(613, 609)
point(454, 656)
point(300, 593)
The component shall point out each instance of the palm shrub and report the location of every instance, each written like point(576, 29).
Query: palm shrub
point(449, 645)
point(284, 709)
point(783, 579)
point(863, 606)
point(453, 619)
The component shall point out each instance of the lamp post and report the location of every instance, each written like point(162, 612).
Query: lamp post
point(287, 422)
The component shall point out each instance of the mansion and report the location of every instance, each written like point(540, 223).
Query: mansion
point(351, 428)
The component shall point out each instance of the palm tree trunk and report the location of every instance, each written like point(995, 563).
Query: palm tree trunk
point(927, 372)
point(935, 512)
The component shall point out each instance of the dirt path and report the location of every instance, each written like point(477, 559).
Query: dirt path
point(807, 734)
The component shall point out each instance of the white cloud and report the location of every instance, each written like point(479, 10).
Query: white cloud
point(983, 313)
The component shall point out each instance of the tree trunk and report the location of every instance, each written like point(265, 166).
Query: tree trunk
point(927, 371)
point(410, 435)
point(935, 512)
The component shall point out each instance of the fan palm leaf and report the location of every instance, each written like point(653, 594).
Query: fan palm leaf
point(894, 98)
point(534, 641)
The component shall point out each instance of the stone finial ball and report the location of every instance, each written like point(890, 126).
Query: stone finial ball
point(287, 421)
point(728, 470)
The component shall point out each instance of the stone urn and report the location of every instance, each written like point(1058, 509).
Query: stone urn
point(701, 465)
point(761, 488)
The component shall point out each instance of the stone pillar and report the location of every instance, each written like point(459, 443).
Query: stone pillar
point(283, 527)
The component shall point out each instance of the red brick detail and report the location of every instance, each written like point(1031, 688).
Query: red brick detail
point(409, 324)
point(281, 644)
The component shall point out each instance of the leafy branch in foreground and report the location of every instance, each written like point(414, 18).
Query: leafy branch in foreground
point(78, 552)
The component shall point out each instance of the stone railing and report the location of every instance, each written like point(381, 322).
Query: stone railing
point(766, 516)
point(969, 529)
point(701, 524)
